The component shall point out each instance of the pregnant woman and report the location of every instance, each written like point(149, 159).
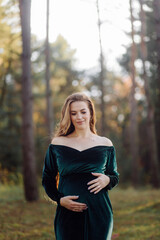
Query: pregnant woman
point(85, 164)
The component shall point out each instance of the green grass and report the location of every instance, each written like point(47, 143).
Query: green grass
point(136, 215)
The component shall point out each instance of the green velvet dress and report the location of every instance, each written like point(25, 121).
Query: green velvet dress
point(75, 168)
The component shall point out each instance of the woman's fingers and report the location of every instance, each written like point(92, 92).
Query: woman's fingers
point(93, 181)
point(96, 179)
point(100, 182)
point(93, 185)
point(73, 197)
point(77, 206)
point(97, 174)
point(96, 189)
point(69, 203)
point(76, 203)
point(78, 210)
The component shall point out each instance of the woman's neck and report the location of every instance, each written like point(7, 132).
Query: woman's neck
point(82, 133)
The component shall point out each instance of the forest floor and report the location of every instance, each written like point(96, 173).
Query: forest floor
point(136, 215)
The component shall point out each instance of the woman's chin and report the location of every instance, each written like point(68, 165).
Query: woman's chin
point(83, 126)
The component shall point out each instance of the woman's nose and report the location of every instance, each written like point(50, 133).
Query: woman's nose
point(79, 116)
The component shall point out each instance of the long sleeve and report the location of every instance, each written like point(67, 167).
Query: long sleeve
point(111, 170)
point(50, 171)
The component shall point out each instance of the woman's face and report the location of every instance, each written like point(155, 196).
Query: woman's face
point(80, 114)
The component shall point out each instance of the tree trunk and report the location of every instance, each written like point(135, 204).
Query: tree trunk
point(150, 110)
point(4, 85)
point(29, 165)
point(157, 105)
point(133, 107)
point(49, 112)
point(103, 123)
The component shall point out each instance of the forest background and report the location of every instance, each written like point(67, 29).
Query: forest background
point(127, 103)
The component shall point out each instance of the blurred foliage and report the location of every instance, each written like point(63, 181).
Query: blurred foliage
point(10, 178)
point(63, 74)
point(65, 79)
point(10, 87)
point(151, 64)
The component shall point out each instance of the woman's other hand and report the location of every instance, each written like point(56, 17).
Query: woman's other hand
point(69, 203)
point(100, 182)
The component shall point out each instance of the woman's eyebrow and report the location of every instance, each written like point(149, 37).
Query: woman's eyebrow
point(80, 110)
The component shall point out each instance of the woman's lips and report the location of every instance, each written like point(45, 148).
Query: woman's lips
point(80, 122)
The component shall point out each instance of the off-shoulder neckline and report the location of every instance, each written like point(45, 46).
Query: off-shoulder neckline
point(87, 149)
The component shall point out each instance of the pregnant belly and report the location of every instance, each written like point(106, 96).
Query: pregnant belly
point(76, 184)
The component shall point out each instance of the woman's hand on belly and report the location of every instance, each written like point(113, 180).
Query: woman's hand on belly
point(100, 182)
point(69, 203)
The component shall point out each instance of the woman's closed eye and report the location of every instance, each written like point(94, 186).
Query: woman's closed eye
point(73, 114)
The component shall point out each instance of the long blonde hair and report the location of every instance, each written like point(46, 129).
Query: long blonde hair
point(65, 126)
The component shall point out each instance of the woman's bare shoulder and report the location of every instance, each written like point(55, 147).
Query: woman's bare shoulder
point(58, 140)
point(105, 141)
